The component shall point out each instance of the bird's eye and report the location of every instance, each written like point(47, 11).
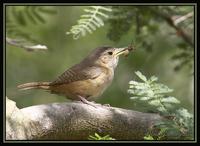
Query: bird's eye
point(110, 53)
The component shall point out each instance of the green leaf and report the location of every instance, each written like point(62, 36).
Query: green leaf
point(161, 109)
point(90, 21)
point(133, 82)
point(47, 10)
point(145, 98)
point(178, 122)
point(141, 76)
point(98, 137)
point(104, 8)
point(184, 113)
point(161, 89)
point(134, 97)
point(38, 16)
point(99, 20)
point(141, 86)
point(150, 93)
point(19, 17)
point(148, 137)
point(170, 99)
point(153, 79)
point(155, 102)
point(102, 14)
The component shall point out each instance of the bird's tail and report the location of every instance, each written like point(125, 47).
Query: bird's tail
point(34, 85)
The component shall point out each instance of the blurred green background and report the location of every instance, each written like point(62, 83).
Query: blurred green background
point(63, 52)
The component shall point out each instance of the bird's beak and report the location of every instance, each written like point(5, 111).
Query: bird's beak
point(120, 51)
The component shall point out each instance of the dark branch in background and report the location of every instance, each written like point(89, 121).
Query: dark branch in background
point(76, 121)
point(18, 43)
point(173, 23)
point(137, 17)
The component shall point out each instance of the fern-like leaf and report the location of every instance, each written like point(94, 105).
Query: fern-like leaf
point(24, 14)
point(19, 17)
point(89, 21)
point(152, 94)
point(98, 137)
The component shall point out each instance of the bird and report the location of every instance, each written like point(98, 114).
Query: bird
point(86, 80)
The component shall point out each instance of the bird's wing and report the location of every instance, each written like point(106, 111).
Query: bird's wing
point(77, 73)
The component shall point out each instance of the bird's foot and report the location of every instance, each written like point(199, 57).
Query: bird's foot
point(83, 100)
point(91, 103)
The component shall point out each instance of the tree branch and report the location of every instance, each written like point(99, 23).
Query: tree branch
point(173, 23)
point(75, 121)
point(18, 43)
point(183, 18)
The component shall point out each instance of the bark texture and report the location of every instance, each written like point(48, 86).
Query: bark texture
point(75, 121)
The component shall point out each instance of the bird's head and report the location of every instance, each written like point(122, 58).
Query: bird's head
point(108, 56)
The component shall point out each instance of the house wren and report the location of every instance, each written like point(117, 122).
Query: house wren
point(87, 79)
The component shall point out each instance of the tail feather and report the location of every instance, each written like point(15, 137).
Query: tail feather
point(34, 85)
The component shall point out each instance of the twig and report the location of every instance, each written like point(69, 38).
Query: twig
point(17, 43)
point(172, 23)
point(183, 18)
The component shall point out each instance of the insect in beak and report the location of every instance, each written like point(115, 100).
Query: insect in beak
point(125, 50)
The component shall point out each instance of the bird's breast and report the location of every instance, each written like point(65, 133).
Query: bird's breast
point(102, 82)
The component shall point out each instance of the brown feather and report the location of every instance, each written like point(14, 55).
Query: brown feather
point(77, 73)
point(34, 85)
